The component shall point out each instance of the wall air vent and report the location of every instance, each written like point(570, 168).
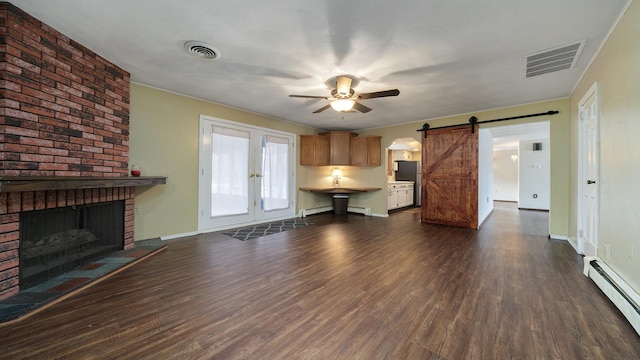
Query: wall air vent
point(561, 58)
point(201, 50)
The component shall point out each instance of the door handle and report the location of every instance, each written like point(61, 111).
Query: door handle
point(258, 175)
point(251, 175)
point(591, 182)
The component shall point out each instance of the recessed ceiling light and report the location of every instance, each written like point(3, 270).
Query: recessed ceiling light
point(202, 50)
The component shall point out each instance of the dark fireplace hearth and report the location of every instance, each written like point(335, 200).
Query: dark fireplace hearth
point(58, 240)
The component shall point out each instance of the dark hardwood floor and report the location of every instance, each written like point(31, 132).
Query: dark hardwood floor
point(347, 287)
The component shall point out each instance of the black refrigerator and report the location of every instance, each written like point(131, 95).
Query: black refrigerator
point(411, 171)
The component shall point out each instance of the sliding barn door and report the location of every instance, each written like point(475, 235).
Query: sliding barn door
point(450, 177)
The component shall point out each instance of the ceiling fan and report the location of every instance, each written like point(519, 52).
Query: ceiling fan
point(343, 98)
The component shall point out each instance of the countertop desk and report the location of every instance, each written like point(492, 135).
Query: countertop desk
point(339, 190)
point(340, 195)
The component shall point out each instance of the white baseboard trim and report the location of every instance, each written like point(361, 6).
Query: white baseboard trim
point(623, 296)
point(318, 210)
point(380, 215)
point(574, 244)
point(359, 210)
point(558, 237)
point(177, 236)
point(311, 211)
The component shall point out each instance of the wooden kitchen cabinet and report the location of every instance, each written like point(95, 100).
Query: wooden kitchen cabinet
point(314, 150)
point(365, 151)
point(340, 147)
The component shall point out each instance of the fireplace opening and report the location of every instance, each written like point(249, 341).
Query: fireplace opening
point(55, 241)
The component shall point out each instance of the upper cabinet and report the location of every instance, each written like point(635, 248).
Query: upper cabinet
point(365, 151)
point(314, 150)
point(402, 155)
point(340, 148)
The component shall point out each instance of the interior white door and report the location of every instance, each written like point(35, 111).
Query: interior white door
point(588, 230)
point(246, 175)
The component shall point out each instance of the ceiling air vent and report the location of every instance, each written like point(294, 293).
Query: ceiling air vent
point(553, 60)
point(201, 50)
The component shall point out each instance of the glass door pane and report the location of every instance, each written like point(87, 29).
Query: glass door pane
point(229, 171)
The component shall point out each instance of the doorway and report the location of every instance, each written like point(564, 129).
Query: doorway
point(247, 175)
point(521, 164)
point(404, 164)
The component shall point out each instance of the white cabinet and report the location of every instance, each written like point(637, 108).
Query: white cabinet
point(409, 196)
point(399, 195)
point(392, 198)
point(402, 155)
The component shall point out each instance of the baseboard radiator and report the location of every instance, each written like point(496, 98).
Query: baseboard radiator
point(615, 288)
point(352, 209)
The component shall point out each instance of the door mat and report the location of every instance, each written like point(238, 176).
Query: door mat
point(255, 231)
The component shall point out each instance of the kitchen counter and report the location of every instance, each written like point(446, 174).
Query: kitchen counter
point(400, 182)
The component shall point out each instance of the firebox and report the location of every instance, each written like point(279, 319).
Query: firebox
point(58, 240)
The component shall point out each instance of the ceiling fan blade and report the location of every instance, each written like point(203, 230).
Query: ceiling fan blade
point(308, 96)
point(377, 94)
point(322, 108)
point(361, 108)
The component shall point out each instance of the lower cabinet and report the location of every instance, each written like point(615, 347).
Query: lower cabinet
point(392, 198)
point(399, 195)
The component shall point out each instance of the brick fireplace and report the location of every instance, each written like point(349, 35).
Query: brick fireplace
point(64, 115)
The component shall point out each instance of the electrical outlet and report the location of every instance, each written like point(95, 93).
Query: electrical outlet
point(632, 251)
point(136, 210)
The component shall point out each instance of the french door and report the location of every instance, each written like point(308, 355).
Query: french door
point(246, 175)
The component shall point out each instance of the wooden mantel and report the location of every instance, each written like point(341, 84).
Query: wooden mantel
point(39, 183)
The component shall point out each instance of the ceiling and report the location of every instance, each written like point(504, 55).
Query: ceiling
point(445, 57)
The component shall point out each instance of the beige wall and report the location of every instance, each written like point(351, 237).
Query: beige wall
point(559, 134)
point(164, 141)
point(506, 175)
point(617, 71)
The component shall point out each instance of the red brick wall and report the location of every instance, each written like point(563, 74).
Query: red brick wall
point(64, 111)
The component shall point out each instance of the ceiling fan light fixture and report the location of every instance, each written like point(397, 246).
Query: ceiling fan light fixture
point(342, 104)
point(343, 86)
